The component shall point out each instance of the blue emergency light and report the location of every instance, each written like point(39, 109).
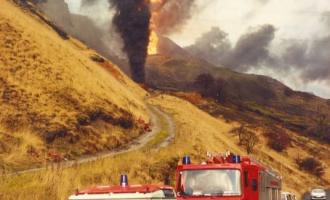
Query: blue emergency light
point(123, 180)
point(236, 159)
point(186, 160)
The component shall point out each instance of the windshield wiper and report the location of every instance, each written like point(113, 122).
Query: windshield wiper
point(216, 194)
point(220, 193)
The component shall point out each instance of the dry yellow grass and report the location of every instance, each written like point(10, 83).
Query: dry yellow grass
point(49, 86)
point(194, 136)
point(16, 147)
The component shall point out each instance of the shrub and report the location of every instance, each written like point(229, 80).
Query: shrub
point(321, 127)
point(205, 83)
point(125, 122)
point(83, 119)
point(50, 136)
point(311, 165)
point(97, 58)
point(278, 139)
point(163, 170)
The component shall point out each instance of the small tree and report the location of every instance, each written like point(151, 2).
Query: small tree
point(218, 91)
point(321, 127)
point(239, 131)
point(249, 141)
point(205, 83)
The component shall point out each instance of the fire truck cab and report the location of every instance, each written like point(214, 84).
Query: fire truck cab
point(125, 191)
point(226, 177)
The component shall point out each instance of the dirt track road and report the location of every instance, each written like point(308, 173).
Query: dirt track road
point(160, 120)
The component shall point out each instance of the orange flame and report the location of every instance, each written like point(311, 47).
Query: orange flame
point(154, 39)
point(153, 43)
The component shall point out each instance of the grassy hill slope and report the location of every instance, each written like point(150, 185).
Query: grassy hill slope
point(260, 95)
point(196, 135)
point(52, 91)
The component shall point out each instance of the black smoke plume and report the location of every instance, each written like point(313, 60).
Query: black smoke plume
point(309, 58)
point(251, 49)
point(132, 19)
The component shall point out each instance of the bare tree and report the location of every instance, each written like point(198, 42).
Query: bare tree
point(240, 131)
point(249, 141)
point(321, 127)
point(219, 90)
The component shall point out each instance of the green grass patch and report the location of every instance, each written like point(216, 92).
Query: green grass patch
point(158, 139)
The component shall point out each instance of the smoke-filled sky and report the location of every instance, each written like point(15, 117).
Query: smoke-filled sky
point(295, 48)
point(293, 18)
point(285, 39)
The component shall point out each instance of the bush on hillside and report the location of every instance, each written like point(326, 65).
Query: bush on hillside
point(51, 136)
point(208, 86)
point(163, 170)
point(125, 122)
point(278, 139)
point(204, 84)
point(311, 165)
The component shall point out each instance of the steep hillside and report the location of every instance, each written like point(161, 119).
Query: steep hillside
point(245, 93)
point(53, 95)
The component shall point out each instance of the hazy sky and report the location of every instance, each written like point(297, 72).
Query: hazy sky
point(293, 19)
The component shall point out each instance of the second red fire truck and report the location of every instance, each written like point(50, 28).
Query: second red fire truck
point(124, 191)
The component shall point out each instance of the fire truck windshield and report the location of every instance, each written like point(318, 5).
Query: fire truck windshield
point(224, 182)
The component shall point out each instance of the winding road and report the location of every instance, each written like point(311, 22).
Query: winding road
point(160, 121)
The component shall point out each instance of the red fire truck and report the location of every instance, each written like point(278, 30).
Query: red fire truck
point(125, 191)
point(226, 177)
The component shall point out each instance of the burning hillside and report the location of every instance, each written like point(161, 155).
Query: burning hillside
point(168, 16)
point(139, 24)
